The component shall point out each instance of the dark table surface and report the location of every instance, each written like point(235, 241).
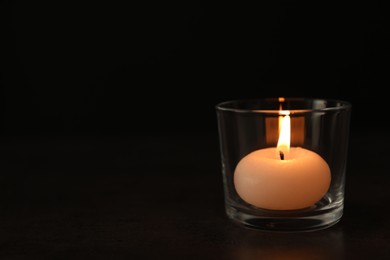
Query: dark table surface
point(160, 196)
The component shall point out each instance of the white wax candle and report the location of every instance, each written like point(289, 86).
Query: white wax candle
point(282, 178)
point(263, 180)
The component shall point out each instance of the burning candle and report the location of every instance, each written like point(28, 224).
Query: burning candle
point(282, 177)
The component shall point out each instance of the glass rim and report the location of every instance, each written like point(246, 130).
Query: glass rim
point(344, 105)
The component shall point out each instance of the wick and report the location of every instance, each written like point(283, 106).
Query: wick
point(281, 155)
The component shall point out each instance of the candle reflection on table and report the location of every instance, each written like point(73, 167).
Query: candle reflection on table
point(293, 246)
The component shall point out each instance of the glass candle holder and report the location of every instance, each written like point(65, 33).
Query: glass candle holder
point(284, 161)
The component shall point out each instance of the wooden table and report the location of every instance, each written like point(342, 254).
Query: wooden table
point(160, 196)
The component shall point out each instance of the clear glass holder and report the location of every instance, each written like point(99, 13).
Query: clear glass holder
point(284, 161)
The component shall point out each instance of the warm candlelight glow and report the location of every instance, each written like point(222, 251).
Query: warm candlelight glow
point(282, 177)
point(283, 146)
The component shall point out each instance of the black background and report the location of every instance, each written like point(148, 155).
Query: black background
point(108, 123)
point(136, 66)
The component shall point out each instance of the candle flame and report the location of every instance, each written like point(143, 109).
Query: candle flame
point(283, 146)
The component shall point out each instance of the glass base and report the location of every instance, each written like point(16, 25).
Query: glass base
point(286, 221)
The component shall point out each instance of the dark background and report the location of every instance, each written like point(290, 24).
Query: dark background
point(108, 145)
point(137, 66)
